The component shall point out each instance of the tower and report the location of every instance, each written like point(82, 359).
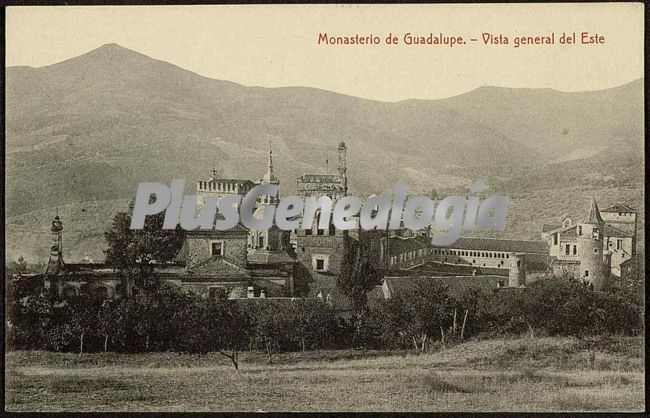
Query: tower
point(272, 239)
point(589, 234)
point(55, 263)
point(320, 251)
point(517, 273)
point(269, 178)
point(342, 166)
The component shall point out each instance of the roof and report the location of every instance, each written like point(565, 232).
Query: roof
point(439, 269)
point(620, 207)
point(593, 214)
point(612, 231)
point(241, 182)
point(237, 229)
point(505, 245)
point(456, 286)
point(269, 257)
point(550, 227)
point(216, 268)
point(398, 245)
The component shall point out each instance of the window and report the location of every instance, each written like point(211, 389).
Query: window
point(579, 229)
point(575, 250)
point(595, 250)
point(320, 262)
point(217, 249)
point(332, 229)
point(586, 273)
point(567, 250)
point(518, 263)
point(619, 244)
point(320, 231)
point(260, 242)
point(308, 231)
point(595, 234)
point(555, 238)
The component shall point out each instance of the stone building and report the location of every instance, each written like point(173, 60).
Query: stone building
point(320, 252)
point(213, 263)
point(617, 230)
point(579, 249)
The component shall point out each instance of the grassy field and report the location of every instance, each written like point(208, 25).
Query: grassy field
point(521, 374)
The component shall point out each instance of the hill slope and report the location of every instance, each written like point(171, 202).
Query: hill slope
point(92, 127)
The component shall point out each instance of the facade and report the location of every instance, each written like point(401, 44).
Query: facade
point(618, 232)
point(320, 252)
point(582, 249)
point(234, 263)
point(240, 263)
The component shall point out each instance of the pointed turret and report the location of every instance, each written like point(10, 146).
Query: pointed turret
point(593, 268)
point(269, 177)
point(593, 215)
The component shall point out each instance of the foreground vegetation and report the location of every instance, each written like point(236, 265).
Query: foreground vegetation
point(500, 374)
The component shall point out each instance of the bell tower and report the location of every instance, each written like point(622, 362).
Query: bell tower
point(55, 263)
point(342, 166)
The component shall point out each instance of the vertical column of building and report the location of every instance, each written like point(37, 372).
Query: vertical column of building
point(342, 166)
point(590, 249)
point(517, 272)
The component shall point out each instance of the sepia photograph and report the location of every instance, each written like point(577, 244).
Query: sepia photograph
point(325, 208)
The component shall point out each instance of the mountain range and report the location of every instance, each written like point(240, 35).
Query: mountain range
point(92, 127)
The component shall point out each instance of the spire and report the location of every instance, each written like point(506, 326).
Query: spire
point(269, 177)
point(593, 216)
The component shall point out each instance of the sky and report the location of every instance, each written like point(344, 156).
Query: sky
point(277, 45)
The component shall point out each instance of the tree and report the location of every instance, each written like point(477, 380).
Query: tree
point(358, 276)
point(227, 327)
point(110, 321)
point(417, 313)
point(82, 318)
point(134, 252)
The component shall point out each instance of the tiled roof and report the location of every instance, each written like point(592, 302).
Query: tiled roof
point(216, 268)
point(505, 245)
point(239, 228)
point(456, 286)
point(619, 207)
point(399, 245)
point(550, 227)
point(612, 231)
point(444, 269)
point(269, 257)
point(593, 214)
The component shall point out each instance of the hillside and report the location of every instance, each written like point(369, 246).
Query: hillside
point(90, 128)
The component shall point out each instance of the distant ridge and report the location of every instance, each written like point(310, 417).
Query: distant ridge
point(93, 126)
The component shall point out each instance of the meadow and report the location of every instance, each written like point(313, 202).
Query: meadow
point(499, 374)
